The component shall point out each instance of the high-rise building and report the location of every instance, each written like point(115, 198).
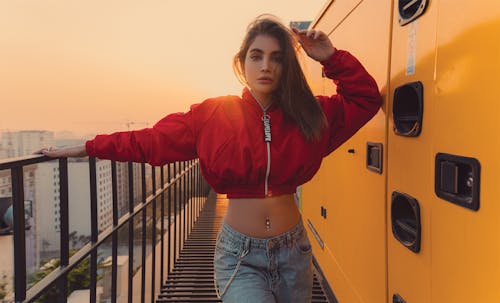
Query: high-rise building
point(48, 202)
point(20, 143)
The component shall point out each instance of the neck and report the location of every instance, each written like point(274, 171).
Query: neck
point(263, 99)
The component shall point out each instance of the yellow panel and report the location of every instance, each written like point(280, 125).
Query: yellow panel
point(354, 259)
point(465, 243)
point(335, 13)
point(312, 195)
point(410, 159)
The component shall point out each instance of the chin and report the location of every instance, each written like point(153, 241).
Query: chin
point(266, 90)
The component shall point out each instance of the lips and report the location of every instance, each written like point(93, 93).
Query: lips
point(265, 80)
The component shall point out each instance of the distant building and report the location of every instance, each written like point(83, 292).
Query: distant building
point(20, 143)
point(4, 153)
point(48, 201)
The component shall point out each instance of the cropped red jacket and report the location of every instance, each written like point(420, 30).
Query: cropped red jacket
point(227, 135)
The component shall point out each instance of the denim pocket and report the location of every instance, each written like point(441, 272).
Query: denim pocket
point(227, 260)
point(226, 245)
point(302, 244)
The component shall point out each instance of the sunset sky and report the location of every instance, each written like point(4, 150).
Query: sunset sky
point(93, 66)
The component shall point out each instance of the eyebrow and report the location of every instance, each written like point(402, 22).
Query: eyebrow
point(258, 50)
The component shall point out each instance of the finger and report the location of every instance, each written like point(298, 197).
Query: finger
point(299, 32)
point(38, 152)
point(43, 150)
point(317, 35)
point(310, 33)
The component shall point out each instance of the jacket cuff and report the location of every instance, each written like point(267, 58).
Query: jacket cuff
point(333, 61)
point(89, 147)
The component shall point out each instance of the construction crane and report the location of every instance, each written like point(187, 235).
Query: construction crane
point(131, 123)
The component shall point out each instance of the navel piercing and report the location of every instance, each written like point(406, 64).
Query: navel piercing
point(268, 224)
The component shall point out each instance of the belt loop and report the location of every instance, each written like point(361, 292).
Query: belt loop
point(246, 247)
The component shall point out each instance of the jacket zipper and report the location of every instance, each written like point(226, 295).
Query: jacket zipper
point(267, 138)
point(266, 119)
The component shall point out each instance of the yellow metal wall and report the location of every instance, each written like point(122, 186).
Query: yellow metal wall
point(354, 254)
point(458, 56)
point(456, 49)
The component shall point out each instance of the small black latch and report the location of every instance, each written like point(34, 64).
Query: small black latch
point(323, 212)
point(449, 177)
point(457, 180)
point(374, 157)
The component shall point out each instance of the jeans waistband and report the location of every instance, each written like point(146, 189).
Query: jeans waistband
point(284, 239)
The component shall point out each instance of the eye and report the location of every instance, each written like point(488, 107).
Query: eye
point(277, 59)
point(255, 57)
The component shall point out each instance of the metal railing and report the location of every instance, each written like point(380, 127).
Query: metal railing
point(181, 193)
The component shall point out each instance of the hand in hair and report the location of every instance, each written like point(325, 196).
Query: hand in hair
point(315, 43)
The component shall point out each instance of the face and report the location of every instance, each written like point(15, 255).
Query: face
point(263, 65)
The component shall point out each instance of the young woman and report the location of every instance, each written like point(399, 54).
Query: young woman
point(257, 149)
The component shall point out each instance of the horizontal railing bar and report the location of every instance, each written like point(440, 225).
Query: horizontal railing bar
point(10, 163)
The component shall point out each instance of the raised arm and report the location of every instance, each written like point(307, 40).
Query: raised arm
point(357, 99)
point(356, 102)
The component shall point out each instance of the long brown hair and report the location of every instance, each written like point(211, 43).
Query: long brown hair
point(293, 93)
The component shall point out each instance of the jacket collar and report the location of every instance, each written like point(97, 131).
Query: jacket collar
point(248, 98)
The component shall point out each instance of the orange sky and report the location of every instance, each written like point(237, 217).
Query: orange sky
point(91, 66)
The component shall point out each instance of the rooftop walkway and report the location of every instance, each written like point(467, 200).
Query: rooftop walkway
point(192, 277)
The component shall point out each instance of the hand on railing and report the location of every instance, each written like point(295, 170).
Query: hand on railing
point(70, 151)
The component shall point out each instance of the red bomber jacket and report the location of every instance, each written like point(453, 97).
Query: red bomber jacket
point(238, 155)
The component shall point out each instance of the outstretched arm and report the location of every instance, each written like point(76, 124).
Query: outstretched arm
point(171, 139)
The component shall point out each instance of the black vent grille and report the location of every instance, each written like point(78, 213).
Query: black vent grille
point(410, 10)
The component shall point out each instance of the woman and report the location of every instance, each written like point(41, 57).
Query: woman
point(257, 149)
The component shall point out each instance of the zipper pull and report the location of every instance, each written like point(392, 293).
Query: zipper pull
point(267, 127)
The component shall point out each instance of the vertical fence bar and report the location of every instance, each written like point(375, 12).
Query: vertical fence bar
point(143, 268)
point(19, 233)
point(114, 251)
point(195, 190)
point(175, 212)
point(64, 226)
point(181, 169)
point(162, 222)
point(93, 228)
point(169, 226)
point(130, 230)
point(153, 242)
point(183, 185)
point(188, 209)
point(191, 194)
point(198, 189)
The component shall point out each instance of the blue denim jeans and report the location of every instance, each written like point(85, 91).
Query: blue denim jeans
point(256, 270)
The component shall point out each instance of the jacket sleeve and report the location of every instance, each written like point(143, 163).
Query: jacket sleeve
point(356, 102)
point(172, 139)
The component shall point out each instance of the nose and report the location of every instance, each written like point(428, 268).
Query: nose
point(265, 65)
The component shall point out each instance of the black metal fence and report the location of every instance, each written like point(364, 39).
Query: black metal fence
point(170, 209)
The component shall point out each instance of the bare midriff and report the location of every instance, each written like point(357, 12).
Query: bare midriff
point(248, 215)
